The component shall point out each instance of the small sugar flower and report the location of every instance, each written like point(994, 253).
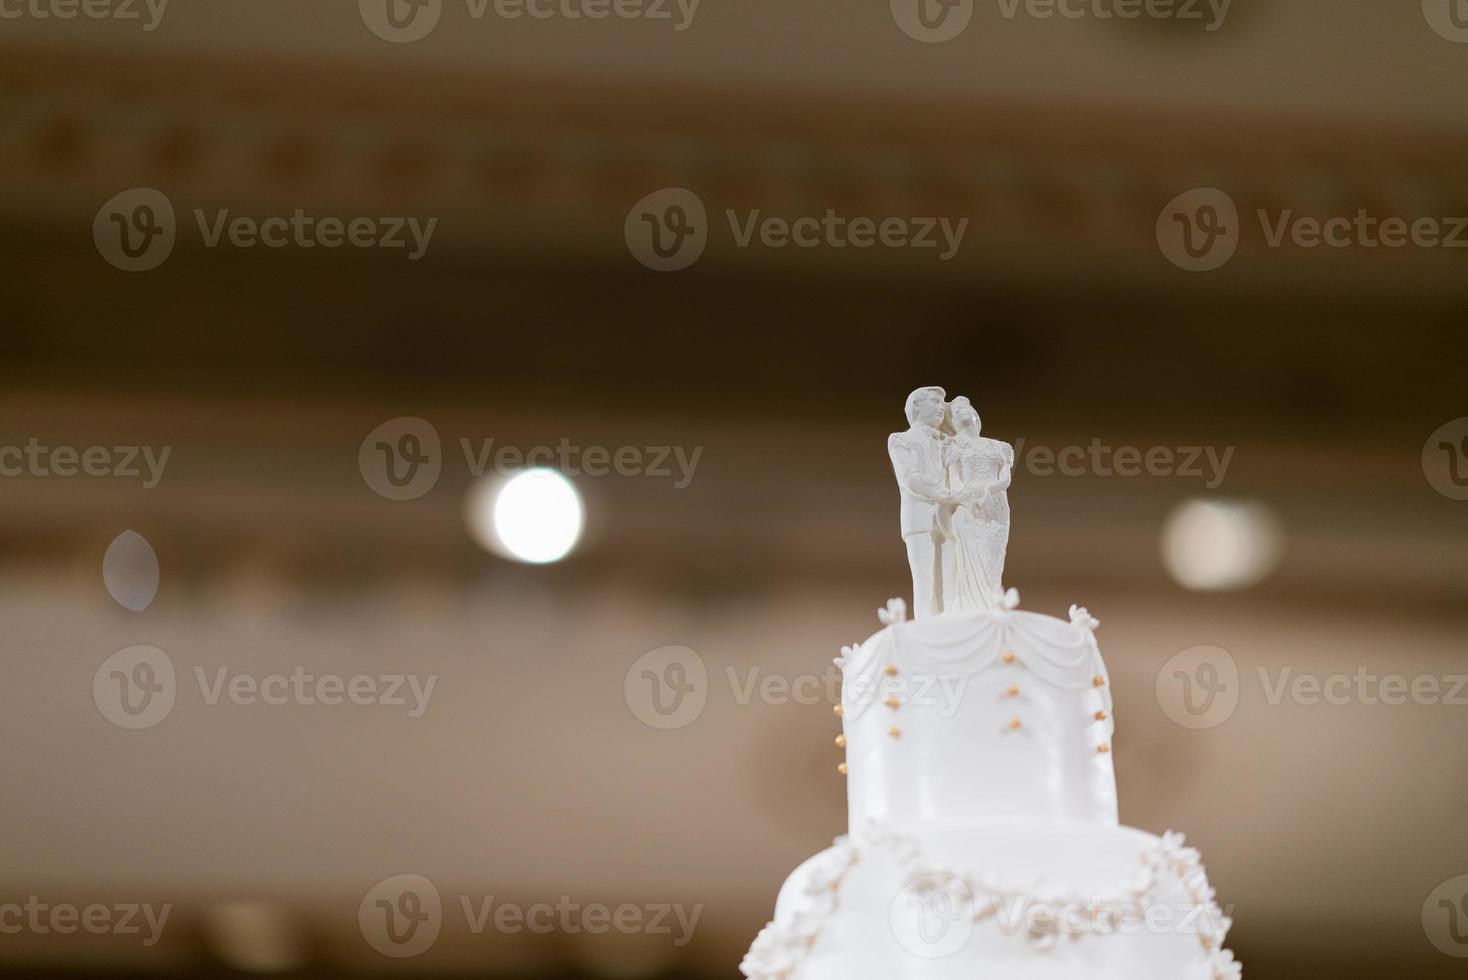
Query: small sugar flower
point(1225, 967)
point(1005, 600)
point(895, 612)
point(1081, 616)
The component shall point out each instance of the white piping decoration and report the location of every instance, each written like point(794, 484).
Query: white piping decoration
point(780, 949)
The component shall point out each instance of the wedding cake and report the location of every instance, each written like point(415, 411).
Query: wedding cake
point(983, 834)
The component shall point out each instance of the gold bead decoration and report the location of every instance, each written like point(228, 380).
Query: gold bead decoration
point(1009, 656)
point(842, 769)
point(839, 711)
point(1015, 724)
point(895, 732)
point(1100, 716)
point(840, 741)
point(891, 702)
point(1013, 692)
point(891, 670)
point(1098, 681)
point(1103, 748)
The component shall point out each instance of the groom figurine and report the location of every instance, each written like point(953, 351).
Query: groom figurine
point(918, 460)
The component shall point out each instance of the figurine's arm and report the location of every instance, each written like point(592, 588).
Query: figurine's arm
point(1006, 471)
point(910, 473)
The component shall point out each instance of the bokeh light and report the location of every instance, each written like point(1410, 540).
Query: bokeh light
point(535, 516)
point(1221, 545)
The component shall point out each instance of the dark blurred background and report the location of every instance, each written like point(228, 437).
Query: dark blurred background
point(1321, 532)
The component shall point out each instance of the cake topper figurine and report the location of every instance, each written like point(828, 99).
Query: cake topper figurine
point(953, 483)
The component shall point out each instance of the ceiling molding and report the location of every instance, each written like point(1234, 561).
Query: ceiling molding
point(553, 166)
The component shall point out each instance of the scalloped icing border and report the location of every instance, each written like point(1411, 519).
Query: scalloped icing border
point(778, 952)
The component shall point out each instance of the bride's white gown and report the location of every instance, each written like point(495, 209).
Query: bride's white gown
point(981, 531)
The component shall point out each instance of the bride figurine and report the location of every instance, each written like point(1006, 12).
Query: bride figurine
point(979, 472)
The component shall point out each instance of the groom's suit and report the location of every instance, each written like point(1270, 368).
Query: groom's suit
point(917, 460)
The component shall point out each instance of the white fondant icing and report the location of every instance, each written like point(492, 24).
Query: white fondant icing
point(958, 696)
point(1051, 903)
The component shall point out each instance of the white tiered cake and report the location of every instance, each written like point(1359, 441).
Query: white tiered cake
point(984, 839)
